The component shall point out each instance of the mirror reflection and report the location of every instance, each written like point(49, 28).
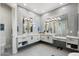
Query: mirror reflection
point(27, 25)
point(57, 25)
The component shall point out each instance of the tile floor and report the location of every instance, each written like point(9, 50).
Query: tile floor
point(38, 49)
point(41, 50)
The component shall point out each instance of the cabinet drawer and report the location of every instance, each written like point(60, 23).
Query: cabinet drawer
point(38, 38)
point(43, 37)
point(30, 39)
point(22, 39)
point(49, 39)
point(73, 41)
point(64, 40)
point(33, 39)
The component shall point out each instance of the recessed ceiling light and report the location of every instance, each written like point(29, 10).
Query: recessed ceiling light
point(58, 18)
point(35, 9)
point(55, 18)
point(25, 18)
point(24, 4)
point(63, 8)
point(60, 3)
point(52, 19)
point(42, 11)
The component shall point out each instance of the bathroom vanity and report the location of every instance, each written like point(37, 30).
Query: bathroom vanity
point(27, 39)
point(72, 42)
point(46, 37)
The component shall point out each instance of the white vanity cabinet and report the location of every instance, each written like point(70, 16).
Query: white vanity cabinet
point(27, 39)
point(60, 38)
point(72, 42)
point(47, 38)
point(34, 38)
point(72, 39)
point(23, 40)
point(43, 38)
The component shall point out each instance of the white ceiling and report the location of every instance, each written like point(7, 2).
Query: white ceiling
point(41, 8)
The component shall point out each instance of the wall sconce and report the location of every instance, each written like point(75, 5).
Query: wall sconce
point(78, 32)
point(70, 31)
point(58, 18)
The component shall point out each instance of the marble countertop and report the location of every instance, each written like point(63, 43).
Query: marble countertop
point(59, 37)
point(74, 37)
point(45, 34)
point(27, 34)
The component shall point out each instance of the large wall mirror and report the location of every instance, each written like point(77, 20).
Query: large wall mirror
point(61, 26)
point(57, 25)
point(27, 21)
point(27, 25)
